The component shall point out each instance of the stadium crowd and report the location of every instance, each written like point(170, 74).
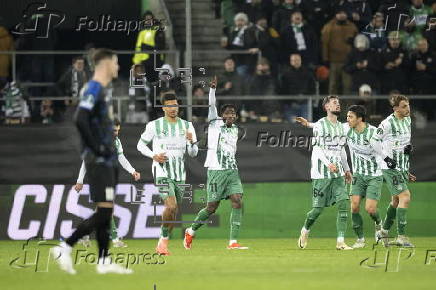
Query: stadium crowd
point(308, 47)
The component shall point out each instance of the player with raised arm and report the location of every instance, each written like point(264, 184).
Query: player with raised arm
point(116, 241)
point(95, 126)
point(223, 181)
point(395, 133)
point(328, 167)
point(172, 137)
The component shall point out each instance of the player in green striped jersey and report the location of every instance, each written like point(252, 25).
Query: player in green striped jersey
point(328, 167)
point(172, 137)
point(395, 133)
point(223, 181)
point(367, 160)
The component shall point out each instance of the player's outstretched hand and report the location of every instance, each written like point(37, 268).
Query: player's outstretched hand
point(302, 121)
point(78, 187)
point(136, 176)
point(390, 163)
point(348, 177)
point(333, 168)
point(412, 177)
point(214, 82)
point(161, 158)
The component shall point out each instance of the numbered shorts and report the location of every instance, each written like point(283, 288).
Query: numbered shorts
point(101, 181)
point(396, 181)
point(170, 187)
point(223, 183)
point(367, 186)
point(328, 191)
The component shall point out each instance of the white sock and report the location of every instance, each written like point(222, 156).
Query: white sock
point(361, 240)
point(104, 261)
point(164, 238)
point(233, 242)
point(304, 230)
point(190, 231)
point(340, 239)
point(65, 246)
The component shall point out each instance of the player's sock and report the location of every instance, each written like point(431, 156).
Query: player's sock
point(164, 232)
point(202, 216)
point(390, 217)
point(342, 217)
point(312, 215)
point(235, 223)
point(357, 224)
point(84, 228)
point(375, 217)
point(103, 226)
point(401, 220)
point(114, 234)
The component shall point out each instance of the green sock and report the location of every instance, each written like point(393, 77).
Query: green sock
point(342, 217)
point(164, 232)
point(390, 217)
point(202, 216)
point(357, 224)
point(114, 233)
point(401, 220)
point(376, 217)
point(235, 223)
point(312, 215)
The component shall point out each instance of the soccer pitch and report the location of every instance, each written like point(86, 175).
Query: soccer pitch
point(268, 264)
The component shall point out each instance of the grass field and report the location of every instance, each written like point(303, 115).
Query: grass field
point(268, 264)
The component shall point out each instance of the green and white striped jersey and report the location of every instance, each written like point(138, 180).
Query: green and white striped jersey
point(221, 140)
point(169, 137)
point(395, 134)
point(365, 149)
point(328, 147)
point(118, 146)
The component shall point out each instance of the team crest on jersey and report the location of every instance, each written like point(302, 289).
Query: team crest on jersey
point(379, 131)
point(365, 142)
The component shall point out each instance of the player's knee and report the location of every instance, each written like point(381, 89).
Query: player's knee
point(211, 208)
point(354, 207)
point(237, 203)
point(172, 208)
point(370, 209)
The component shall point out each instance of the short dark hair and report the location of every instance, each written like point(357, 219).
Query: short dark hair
point(396, 99)
point(229, 57)
point(359, 110)
point(101, 54)
point(76, 58)
point(168, 97)
point(225, 106)
point(327, 99)
point(117, 122)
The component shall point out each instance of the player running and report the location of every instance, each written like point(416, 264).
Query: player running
point(95, 126)
point(116, 241)
point(328, 167)
point(223, 180)
point(367, 159)
point(395, 133)
point(172, 137)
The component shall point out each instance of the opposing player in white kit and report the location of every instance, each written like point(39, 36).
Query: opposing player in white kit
point(172, 137)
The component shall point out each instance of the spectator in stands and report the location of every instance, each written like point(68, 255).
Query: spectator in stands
point(297, 80)
point(362, 64)
point(89, 65)
point(240, 37)
point(6, 44)
point(376, 33)
point(419, 14)
point(317, 13)
point(281, 17)
point(152, 37)
point(199, 98)
point(268, 41)
point(253, 8)
point(394, 64)
point(337, 38)
point(139, 110)
point(430, 31)
point(16, 110)
point(72, 81)
point(358, 11)
point(47, 111)
point(423, 69)
point(394, 11)
point(300, 38)
point(229, 82)
point(262, 84)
